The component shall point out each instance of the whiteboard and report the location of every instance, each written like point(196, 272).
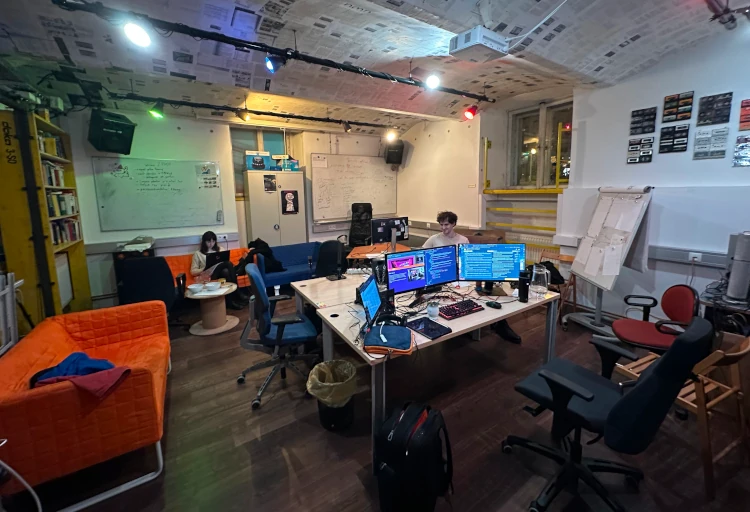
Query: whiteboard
point(340, 180)
point(137, 193)
point(610, 234)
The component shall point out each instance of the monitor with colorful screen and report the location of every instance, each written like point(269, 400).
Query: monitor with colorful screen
point(415, 270)
point(491, 262)
point(370, 299)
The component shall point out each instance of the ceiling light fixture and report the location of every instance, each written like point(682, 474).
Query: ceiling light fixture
point(108, 14)
point(470, 112)
point(432, 82)
point(347, 127)
point(137, 35)
point(243, 114)
point(274, 63)
point(157, 111)
point(239, 112)
point(391, 136)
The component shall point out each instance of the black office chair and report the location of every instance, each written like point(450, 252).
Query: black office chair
point(328, 257)
point(145, 279)
point(628, 421)
point(360, 231)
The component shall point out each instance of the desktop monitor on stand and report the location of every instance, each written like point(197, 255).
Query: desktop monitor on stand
point(491, 262)
point(390, 230)
point(421, 269)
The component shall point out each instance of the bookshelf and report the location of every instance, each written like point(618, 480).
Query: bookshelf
point(51, 211)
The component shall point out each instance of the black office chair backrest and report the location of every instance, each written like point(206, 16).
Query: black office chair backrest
point(635, 419)
point(360, 231)
point(145, 279)
point(328, 256)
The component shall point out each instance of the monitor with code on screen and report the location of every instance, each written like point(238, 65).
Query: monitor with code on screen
point(491, 262)
point(415, 270)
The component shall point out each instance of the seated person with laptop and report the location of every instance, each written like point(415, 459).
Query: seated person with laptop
point(211, 263)
point(448, 236)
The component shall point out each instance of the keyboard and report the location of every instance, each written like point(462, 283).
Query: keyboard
point(459, 309)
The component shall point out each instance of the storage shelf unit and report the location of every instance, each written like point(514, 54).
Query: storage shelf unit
point(18, 217)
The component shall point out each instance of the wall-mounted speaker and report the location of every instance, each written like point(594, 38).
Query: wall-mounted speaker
point(394, 152)
point(110, 132)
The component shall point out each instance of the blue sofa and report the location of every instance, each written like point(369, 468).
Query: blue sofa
point(294, 259)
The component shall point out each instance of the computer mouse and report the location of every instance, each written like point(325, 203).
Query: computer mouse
point(494, 305)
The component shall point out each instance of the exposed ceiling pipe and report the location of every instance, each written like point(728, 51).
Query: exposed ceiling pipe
point(722, 13)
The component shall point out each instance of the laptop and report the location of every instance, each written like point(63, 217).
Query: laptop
point(428, 328)
point(214, 258)
point(370, 301)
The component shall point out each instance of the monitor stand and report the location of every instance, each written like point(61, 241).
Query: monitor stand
point(497, 290)
point(430, 289)
point(392, 247)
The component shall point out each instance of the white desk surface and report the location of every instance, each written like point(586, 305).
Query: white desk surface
point(322, 293)
point(351, 317)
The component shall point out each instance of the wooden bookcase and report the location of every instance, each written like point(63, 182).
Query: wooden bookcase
point(17, 220)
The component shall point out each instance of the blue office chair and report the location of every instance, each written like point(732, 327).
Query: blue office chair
point(283, 337)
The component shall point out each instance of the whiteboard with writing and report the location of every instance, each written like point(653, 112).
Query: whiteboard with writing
point(136, 193)
point(340, 180)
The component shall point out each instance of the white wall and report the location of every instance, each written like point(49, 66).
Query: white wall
point(171, 138)
point(441, 171)
point(696, 204)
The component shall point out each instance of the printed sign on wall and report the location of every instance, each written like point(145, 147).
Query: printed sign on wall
point(674, 139)
point(640, 151)
point(745, 115)
point(710, 143)
point(714, 109)
point(643, 121)
point(677, 107)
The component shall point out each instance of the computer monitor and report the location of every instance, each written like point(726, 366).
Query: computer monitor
point(370, 299)
point(381, 229)
point(491, 262)
point(415, 270)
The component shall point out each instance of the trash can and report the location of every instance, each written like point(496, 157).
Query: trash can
point(334, 383)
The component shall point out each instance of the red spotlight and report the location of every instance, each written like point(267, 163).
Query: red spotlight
point(470, 112)
point(567, 126)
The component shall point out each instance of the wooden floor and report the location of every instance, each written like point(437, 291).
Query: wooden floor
point(222, 456)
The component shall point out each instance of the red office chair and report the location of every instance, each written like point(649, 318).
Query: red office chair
point(679, 303)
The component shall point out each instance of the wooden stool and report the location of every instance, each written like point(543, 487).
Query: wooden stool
point(703, 396)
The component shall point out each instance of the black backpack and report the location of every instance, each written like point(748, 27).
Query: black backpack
point(409, 462)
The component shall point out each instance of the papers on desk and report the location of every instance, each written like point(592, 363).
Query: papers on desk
point(208, 293)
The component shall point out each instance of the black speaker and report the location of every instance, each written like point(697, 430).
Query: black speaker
point(110, 132)
point(394, 152)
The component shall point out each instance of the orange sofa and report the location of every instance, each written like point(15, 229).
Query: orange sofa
point(54, 430)
point(180, 264)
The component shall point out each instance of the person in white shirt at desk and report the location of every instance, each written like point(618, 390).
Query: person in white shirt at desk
point(448, 236)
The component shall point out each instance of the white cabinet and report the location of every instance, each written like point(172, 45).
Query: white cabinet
point(275, 207)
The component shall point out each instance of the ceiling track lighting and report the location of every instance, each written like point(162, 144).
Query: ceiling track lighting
point(275, 63)
point(137, 34)
point(347, 127)
point(391, 135)
point(243, 114)
point(109, 14)
point(471, 112)
point(157, 111)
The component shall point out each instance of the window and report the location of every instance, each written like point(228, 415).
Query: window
point(541, 141)
point(242, 140)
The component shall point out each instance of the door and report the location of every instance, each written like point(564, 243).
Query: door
point(293, 225)
point(263, 207)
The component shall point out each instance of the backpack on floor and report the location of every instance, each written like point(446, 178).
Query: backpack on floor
point(413, 462)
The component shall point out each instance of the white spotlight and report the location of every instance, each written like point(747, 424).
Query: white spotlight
point(137, 35)
point(432, 81)
point(390, 136)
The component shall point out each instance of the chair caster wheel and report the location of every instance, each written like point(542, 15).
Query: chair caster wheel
point(633, 482)
point(565, 327)
point(506, 448)
point(535, 507)
point(241, 379)
point(256, 404)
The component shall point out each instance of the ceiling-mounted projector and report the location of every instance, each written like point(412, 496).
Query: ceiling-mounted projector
point(478, 45)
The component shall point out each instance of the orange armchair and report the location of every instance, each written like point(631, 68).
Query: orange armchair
point(54, 430)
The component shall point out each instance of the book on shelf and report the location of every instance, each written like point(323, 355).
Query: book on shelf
point(51, 144)
point(65, 231)
point(61, 203)
point(54, 174)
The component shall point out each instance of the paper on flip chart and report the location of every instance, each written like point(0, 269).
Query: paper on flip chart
point(628, 218)
point(584, 250)
point(594, 262)
point(612, 258)
point(319, 161)
point(599, 216)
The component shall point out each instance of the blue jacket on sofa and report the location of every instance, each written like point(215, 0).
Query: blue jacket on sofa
point(294, 259)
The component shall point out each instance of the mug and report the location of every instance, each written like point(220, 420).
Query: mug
point(433, 309)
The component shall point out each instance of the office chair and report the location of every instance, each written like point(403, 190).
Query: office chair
point(280, 336)
point(145, 279)
point(328, 258)
point(360, 230)
point(628, 421)
point(680, 304)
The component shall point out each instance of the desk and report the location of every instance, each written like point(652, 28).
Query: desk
point(360, 253)
point(322, 293)
point(345, 320)
point(214, 319)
